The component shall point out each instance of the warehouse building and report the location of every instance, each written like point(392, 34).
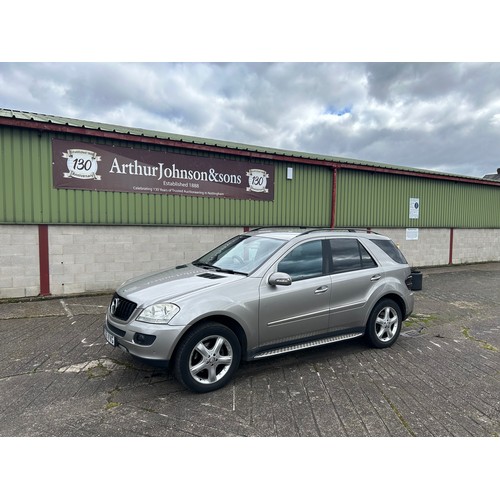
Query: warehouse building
point(85, 205)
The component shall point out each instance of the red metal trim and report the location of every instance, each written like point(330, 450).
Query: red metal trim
point(334, 197)
point(43, 251)
point(450, 260)
point(424, 175)
point(53, 127)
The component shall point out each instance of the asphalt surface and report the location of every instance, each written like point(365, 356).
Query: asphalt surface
point(58, 376)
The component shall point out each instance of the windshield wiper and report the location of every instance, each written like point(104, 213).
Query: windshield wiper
point(219, 269)
point(230, 271)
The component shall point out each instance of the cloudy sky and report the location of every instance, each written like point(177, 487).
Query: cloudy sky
point(433, 115)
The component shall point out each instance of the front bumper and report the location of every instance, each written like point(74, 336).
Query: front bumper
point(149, 342)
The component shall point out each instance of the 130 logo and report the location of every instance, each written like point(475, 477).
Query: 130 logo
point(82, 164)
point(257, 180)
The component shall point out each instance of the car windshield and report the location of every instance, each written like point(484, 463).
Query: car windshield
point(241, 254)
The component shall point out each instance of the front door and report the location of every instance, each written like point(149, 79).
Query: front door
point(302, 309)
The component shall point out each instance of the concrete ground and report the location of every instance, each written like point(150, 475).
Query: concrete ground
point(58, 377)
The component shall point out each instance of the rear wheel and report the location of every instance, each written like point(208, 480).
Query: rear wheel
point(207, 357)
point(384, 324)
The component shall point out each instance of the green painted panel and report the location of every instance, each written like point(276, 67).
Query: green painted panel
point(381, 200)
point(28, 196)
point(364, 199)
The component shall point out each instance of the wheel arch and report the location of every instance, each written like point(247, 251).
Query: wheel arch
point(223, 320)
point(397, 299)
point(381, 334)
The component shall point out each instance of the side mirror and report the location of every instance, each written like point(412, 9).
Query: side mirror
point(280, 279)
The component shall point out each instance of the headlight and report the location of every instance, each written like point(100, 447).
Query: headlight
point(158, 313)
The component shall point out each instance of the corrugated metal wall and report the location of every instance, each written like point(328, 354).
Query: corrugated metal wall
point(27, 195)
point(366, 199)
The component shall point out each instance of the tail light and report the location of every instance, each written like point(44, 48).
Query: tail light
point(409, 282)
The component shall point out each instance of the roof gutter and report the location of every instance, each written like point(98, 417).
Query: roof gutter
point(248, 153)
point(67, 129)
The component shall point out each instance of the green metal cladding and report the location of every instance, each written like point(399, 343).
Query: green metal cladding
point(28, 195)
point(377, 196)
point(366, 199)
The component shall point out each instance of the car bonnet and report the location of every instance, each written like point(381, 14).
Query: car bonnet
point(172, 283)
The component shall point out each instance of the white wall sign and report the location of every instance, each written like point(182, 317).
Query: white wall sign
point(412, 233)
point(414, 208)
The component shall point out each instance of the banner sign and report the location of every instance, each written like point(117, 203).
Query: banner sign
point(98, 167)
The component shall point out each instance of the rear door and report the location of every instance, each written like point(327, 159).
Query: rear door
point(355, 274)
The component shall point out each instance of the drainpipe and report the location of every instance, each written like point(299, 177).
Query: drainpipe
point(334, 196)
point(43, 254)
point(450, 261)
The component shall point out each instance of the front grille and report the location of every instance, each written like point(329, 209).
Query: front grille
point(121, 308)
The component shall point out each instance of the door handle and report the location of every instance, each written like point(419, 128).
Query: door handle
point(375, 278)
point(321, 289)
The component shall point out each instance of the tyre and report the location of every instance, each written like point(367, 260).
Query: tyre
point(384, 324)
point(207, 357)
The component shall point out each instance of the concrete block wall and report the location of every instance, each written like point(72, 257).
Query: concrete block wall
point(99, 258)
point(431, 249)
point(94, 258)
point(19, 261)
point(433, 246)
point(476, 245)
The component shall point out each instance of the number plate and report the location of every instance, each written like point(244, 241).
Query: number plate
point(110, 338)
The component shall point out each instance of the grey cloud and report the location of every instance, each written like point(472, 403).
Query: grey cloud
point(442, 116)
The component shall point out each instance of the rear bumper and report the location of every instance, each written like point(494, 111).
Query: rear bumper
point(410, 303)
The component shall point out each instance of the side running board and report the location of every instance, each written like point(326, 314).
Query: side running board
point(306, 345)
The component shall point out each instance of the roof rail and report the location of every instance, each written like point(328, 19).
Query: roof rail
point(276, 228)
point(344, 229)
point(305, 230)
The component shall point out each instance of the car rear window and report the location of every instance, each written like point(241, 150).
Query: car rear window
point(389, 247)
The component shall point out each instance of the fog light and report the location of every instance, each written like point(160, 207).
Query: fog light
point(144, 339)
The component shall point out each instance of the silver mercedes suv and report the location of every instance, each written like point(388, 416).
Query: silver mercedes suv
point(262, 293)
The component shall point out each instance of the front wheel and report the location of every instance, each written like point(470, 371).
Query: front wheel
point(207, 357)
point(384, 324)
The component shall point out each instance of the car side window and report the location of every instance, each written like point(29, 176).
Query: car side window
point(390, 248)
point(304, 261)
point(349, 255)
